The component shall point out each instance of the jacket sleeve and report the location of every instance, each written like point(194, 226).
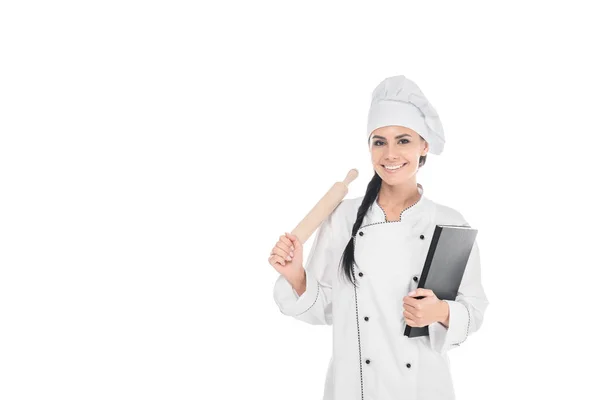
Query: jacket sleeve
point(466, 312)
point(314, 305)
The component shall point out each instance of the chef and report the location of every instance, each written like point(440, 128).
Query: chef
point(362, 272)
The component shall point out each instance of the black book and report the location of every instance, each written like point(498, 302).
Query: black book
point(445, 265)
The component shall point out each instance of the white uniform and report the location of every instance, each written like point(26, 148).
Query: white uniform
point(372, 359)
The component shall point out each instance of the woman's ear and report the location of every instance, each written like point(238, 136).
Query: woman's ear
point(425, 149)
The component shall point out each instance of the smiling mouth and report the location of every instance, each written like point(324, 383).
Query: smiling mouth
point(393, 168)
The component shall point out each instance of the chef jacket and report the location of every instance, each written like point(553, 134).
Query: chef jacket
point(372, 359)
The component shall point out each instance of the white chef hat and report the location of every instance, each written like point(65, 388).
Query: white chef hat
point(398, 101)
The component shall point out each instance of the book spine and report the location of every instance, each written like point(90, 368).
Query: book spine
point(424, 331)
point(432, 247)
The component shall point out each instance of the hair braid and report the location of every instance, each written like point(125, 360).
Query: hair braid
point(369, 198)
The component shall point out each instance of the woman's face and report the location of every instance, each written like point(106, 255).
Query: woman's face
point(398, 147)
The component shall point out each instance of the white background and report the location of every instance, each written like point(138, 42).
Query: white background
point(151, 153)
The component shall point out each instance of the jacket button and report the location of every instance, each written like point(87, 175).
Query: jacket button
point(415, 278)
point(422, 237)
point(360, 233)
point(360, 274)
point(408, 365)
point(368, 361)
point(366, 318)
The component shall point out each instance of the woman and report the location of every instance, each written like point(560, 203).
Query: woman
point(363, 269)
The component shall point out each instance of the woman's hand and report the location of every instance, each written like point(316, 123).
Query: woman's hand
point(286, 257)
point(423, 312)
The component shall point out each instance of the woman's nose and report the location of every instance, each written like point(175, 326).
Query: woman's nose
point(392, 153)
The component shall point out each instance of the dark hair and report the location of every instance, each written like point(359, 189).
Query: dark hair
point(368, 200)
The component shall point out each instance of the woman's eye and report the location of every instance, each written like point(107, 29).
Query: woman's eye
point(403, 141)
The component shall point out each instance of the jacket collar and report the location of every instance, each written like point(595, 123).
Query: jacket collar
point(377, 215)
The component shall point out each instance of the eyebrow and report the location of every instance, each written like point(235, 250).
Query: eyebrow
point(397, 137)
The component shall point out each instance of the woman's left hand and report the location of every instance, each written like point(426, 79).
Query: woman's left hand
point(425, 311)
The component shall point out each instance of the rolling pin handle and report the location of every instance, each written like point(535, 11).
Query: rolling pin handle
point(351, 176)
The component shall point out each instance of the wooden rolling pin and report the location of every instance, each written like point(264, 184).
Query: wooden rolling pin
point(324, 208)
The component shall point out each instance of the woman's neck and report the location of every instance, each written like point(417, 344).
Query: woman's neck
point(398, 197)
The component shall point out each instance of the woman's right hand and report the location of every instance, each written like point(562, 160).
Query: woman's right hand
point(286, 258)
